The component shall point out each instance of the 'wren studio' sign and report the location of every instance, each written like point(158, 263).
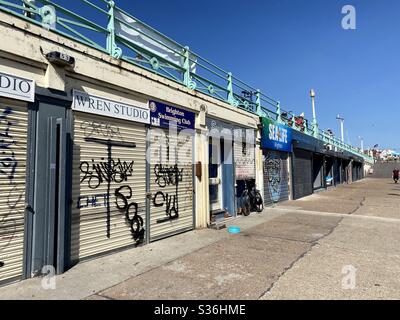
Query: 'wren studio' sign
point(84, 102)
point(16, 87)
point(276, 136)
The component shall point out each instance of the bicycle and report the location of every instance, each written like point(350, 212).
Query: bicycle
point(251, 200)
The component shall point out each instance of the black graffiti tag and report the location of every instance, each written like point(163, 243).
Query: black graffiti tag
point(171, 205)
point(99, 128)
point(105, 171)
point(110, 171)
point(167, 176)
point(93, 201)
point(131, 212)
point(8, 162)
point(245, 161)
point(8, 169)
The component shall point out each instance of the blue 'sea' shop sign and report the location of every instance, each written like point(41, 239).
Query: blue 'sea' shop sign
point(162, 115)
point(276, 136)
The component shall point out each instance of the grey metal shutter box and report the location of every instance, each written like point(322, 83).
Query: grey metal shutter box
point(171, 184)
point(302, 173)
point(109, 185)
point(276, 178)
point(13, 146)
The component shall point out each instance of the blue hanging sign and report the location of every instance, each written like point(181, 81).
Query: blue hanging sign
point(276, 136)
point(163, 115)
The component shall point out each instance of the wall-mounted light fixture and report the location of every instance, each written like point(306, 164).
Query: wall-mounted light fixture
point(60, 59)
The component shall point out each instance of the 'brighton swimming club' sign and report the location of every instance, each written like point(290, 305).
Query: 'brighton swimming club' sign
point(84, 102)
point(276, 136)
point(17, 88)
point(163, 115)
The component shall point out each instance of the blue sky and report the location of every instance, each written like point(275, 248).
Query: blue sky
point(286, 47)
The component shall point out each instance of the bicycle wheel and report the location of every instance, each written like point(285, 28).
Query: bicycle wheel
point(258, 202)
point(245, 203)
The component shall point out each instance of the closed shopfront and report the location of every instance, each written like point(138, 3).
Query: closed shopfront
point(245, 164)
point(354, 171)
point(171, 170)
point(13, 145)
point(244, 153)
point(276, 177)
point(337, 171)
point(345, 169)
point(302, 173)
point(13, 172)
point(109, 175)
point(318, 171)
point(276, 142)
point(357, 171)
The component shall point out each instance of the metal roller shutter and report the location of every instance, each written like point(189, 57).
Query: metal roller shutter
point(318, 171)
point(13, 145)
point(109, 185)
point(171, 184)
point(244, 153)
point(276, 178)
point(354, 171)
point(302, 173)
point(344, 171)
point(337, 170)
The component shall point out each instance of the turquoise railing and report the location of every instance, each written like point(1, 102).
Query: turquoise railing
point(93, 23)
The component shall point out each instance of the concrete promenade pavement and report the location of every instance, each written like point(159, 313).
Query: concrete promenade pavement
point(337, 244)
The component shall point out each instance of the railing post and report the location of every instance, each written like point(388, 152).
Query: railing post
point(231, 97)
point(315, 128)
point(29, 4)
point(293, 121)
point(187, 79)
point(258, 102)
point(278, 111)
point(112, 48)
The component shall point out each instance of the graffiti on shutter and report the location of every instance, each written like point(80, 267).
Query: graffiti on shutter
point(171, 183)
point(13, 144)
point(275, 177)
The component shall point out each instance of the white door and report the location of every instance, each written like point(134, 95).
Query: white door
point(215, 176)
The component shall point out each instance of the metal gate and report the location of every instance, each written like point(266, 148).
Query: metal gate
point(13, 146)
point(109, 185)
point(276, 177)
point(171, 183)
point(302, 174)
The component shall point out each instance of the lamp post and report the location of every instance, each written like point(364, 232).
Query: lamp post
point(362, 143)
point(314, 121)
point(341, 119)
